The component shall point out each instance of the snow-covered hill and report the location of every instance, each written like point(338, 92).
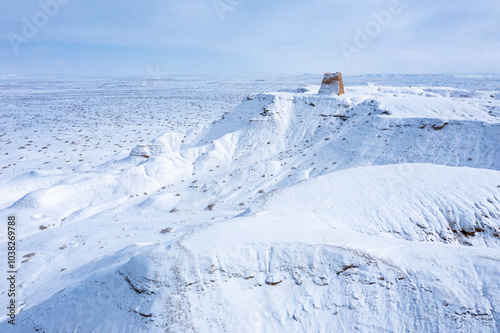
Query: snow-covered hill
point(378, 211)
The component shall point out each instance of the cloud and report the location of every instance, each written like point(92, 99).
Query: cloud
point(190, 36)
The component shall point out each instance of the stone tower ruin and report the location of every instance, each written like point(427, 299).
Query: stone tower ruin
point(332, 84)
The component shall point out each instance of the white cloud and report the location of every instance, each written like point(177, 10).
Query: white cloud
point(265, 36)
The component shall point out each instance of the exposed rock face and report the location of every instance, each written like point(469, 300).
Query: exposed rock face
point(332, 84)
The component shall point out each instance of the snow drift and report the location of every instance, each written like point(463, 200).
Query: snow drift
point(377, 210)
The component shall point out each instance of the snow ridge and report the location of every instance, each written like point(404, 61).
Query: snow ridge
point(295, 212)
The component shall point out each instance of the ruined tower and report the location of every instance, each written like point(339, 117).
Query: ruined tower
point(332, 84)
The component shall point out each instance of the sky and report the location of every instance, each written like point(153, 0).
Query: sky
point(246, 37)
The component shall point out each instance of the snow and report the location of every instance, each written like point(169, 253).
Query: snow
point(221, 209)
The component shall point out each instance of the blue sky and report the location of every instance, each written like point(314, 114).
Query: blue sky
point(249, 36)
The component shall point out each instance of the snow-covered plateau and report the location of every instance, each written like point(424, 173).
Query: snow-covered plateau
point(194, 205)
